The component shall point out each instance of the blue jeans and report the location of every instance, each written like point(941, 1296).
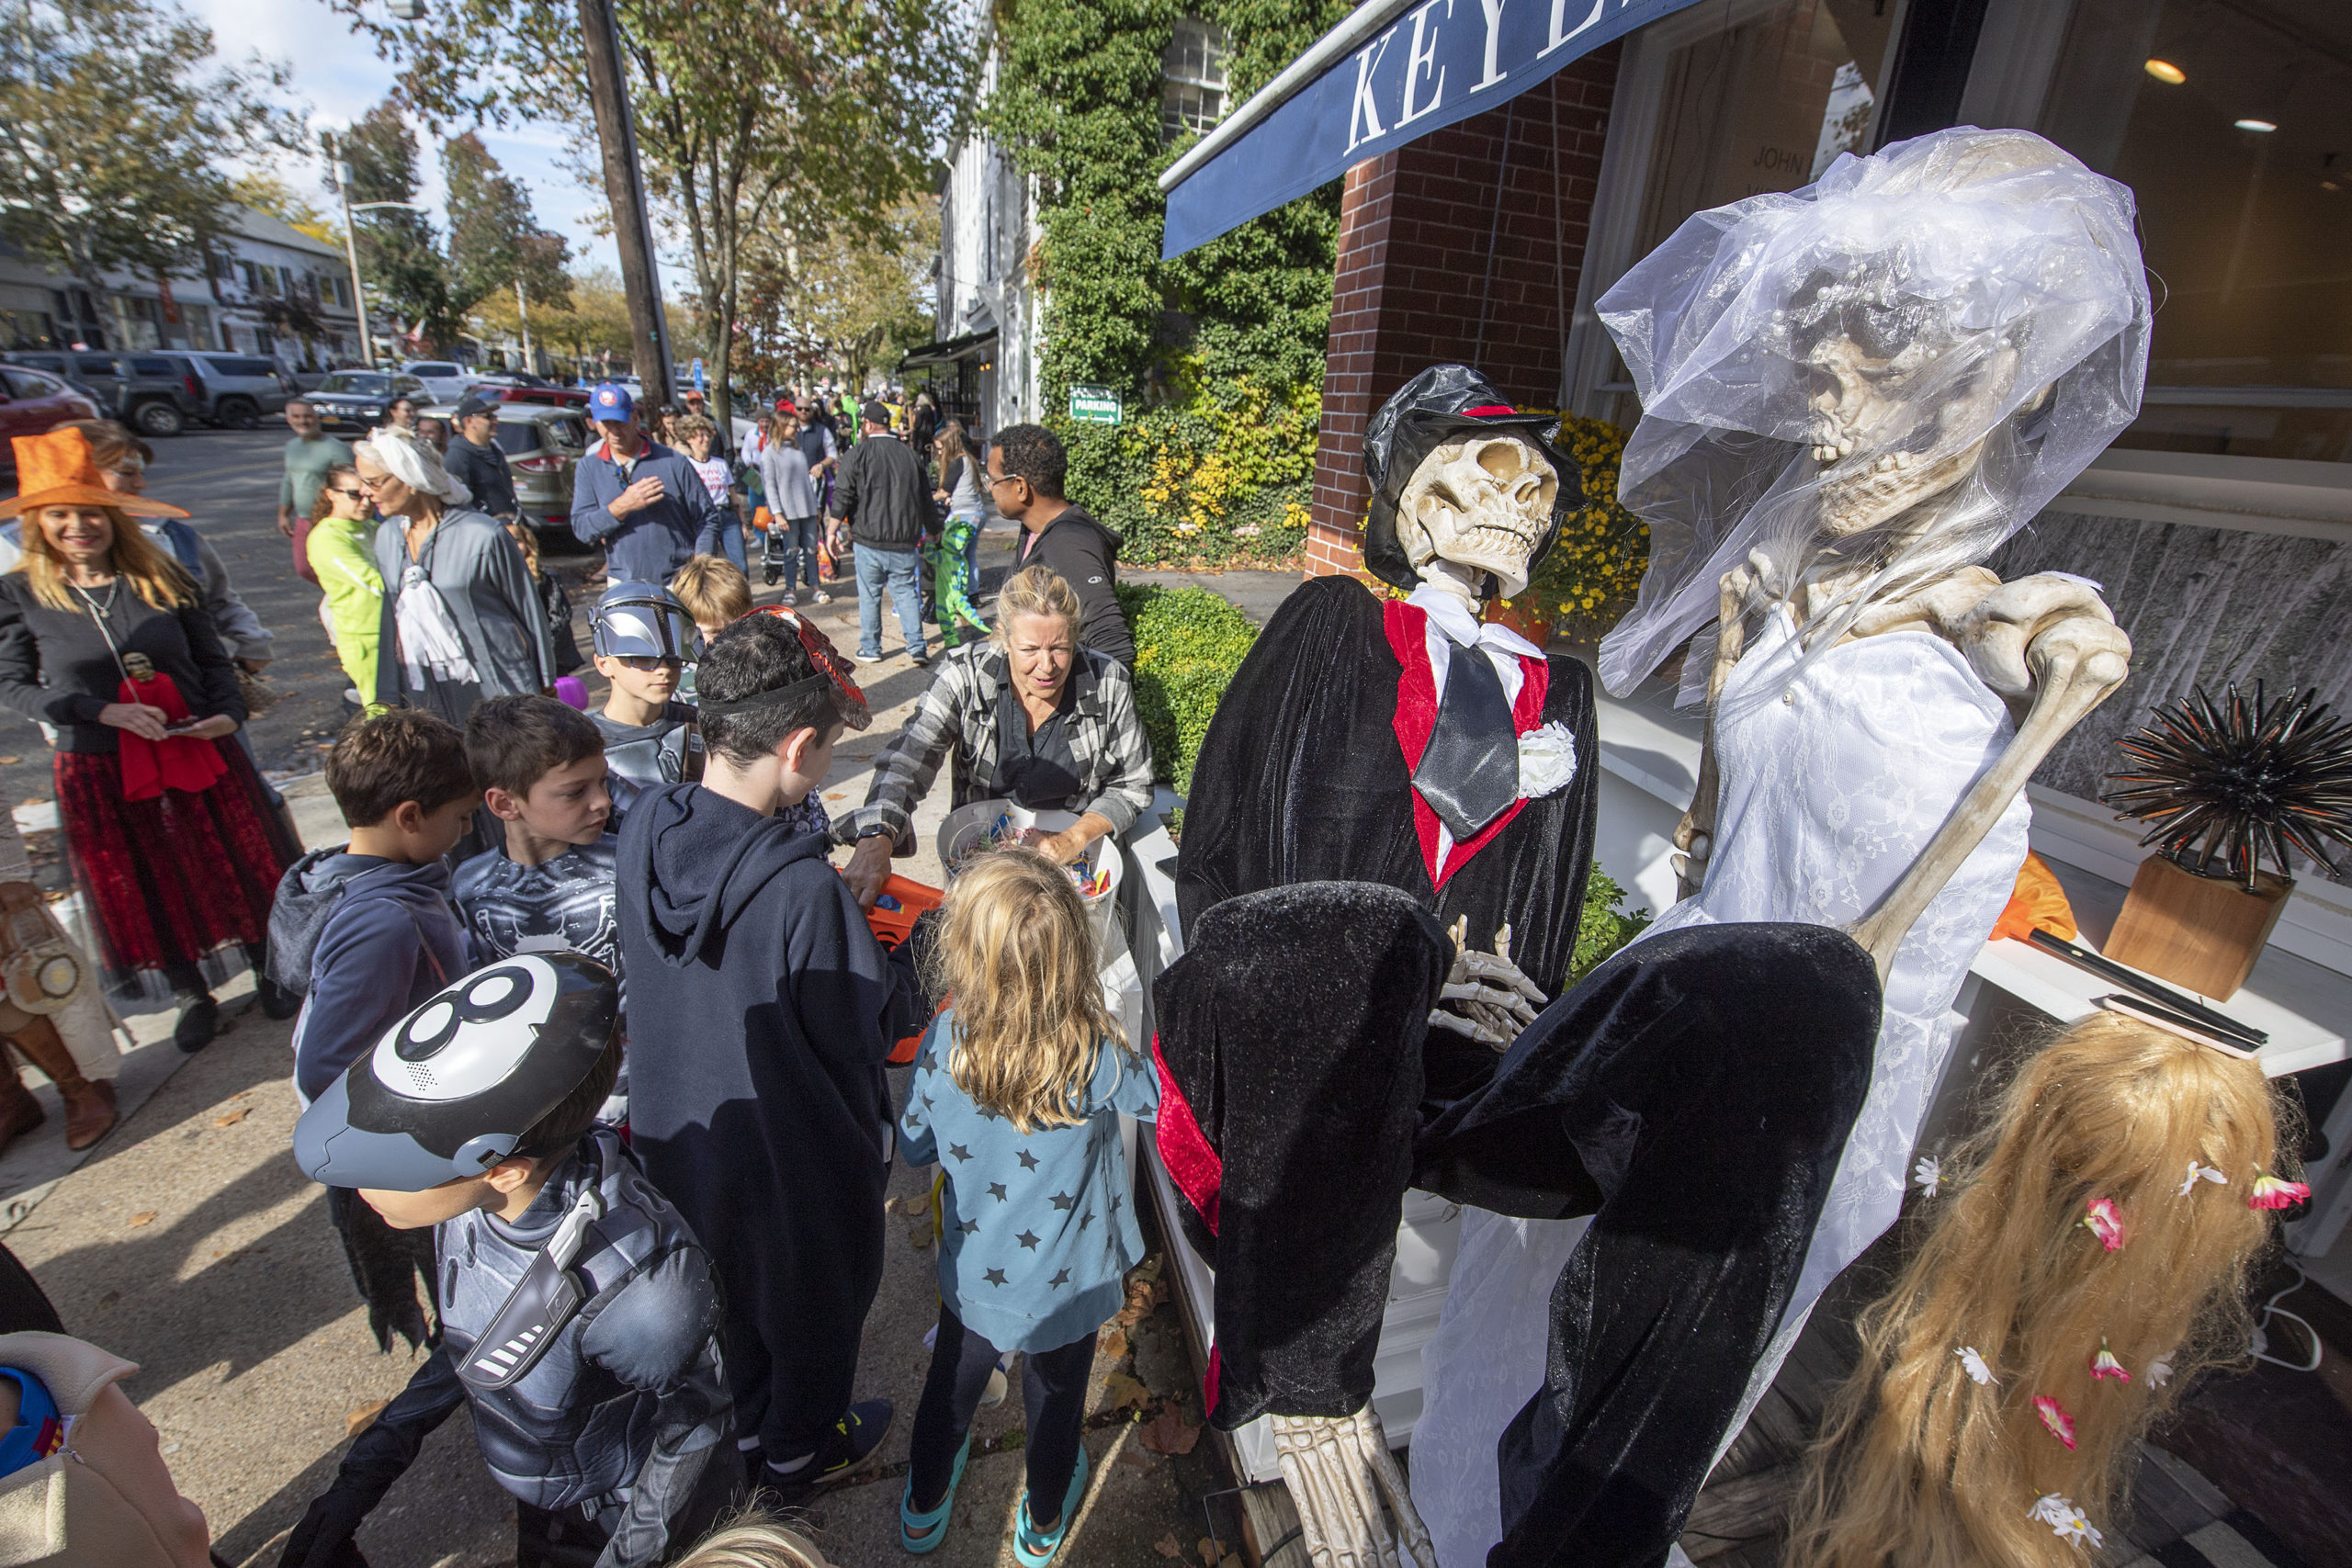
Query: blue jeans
point(792, 545)
point(900, 572)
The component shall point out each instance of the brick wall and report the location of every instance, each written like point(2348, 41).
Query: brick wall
point(1417, 228)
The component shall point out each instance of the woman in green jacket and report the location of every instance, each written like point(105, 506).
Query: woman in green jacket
point(343, 558)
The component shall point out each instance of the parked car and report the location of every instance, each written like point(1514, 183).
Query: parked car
point(235, 389)
point(151, 392)
point(356, 399)
point(543, 443)
point(35, 402)
point(522, 386)
point(446, 381)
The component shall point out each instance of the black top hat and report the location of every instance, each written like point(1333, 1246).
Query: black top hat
point(1449, 403)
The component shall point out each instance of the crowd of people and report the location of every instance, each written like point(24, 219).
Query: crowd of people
point(710, 1192)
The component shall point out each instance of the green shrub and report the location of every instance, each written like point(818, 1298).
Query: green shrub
point(1189, 643)
point(1606, 925)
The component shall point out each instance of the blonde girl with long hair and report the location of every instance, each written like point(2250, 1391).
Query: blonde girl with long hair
point(2085, 1257)
point(1017, 1095)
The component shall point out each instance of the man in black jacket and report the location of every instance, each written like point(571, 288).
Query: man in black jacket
point(474, 457)
point(882, 495)
point(1025, 471)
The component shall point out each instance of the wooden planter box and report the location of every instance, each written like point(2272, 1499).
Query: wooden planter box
point(2202, 934)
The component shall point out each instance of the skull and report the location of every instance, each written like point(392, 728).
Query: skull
point(1484, 503)
point(1898, 423)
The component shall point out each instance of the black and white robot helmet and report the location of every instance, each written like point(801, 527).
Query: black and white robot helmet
point(452, 1087)
point(643, 620)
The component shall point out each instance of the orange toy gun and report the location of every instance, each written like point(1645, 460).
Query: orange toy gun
point(892, 926)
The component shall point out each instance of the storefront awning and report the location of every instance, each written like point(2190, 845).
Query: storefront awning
point(949, 350)
point(1394, 71)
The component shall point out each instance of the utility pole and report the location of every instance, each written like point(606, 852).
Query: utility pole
point(351, 254)
point(523, 310)
point(625, 188)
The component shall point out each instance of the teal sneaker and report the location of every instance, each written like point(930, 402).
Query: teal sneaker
point(1035, 1548)
point(922, 1532)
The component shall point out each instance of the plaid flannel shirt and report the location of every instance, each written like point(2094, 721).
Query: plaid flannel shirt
point(958, 714)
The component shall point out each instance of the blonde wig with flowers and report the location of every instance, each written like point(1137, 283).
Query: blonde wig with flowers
point(2082, 1328)
point(1018, 956)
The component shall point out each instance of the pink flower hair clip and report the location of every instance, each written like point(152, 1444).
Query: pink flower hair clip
point(2276, 1191)
point(2104, 1365)
point(2104, 1221)
point(2053, 1416)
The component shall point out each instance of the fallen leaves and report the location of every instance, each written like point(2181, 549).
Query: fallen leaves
point(1169, 1432)
point(1121, 1392)
point(234, 1117)
point(362, 1418)
point(1167, 1546)
point(144, 1216)
point(1113, 1343)
point(918, 1237)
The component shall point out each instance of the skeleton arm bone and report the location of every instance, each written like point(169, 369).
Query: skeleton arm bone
point(2074, 664)
point(1694, 835)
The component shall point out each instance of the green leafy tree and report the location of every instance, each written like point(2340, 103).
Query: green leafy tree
point(495, 241)
point(398, 256)
point(860, 300)
point(813, 114)
point(265, 192)
point(1078, 103)
point(589, 326)
point(115, 121)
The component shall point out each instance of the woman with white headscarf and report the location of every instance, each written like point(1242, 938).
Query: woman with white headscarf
point(462, 620)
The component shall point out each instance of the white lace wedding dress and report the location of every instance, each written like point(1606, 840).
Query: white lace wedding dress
point(1832, 784)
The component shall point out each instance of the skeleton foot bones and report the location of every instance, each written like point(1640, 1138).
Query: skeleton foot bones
point(1340, 1471)
point(1491, 999)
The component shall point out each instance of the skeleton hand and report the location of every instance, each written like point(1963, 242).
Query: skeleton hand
point(1340, 1472)
point(1999, 632)
point(1493, 999)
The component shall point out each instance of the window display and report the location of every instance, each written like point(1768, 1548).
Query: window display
point(2233, 126)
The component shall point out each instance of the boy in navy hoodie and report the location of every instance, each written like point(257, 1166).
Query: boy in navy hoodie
point(766, 1012)
point(368, 933)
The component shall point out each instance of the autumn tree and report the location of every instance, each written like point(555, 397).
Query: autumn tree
point(115, 123)
point(495, 241)
point(590, 326)
point(811, 116)
point(863, 299)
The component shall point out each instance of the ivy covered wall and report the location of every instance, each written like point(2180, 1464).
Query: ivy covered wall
point(1219, 353)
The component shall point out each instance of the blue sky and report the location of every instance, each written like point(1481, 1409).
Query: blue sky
point(339, 73)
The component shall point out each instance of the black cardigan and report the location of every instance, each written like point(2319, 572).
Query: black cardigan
point(55, 666)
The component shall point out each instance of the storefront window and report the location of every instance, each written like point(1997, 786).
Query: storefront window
point(2232, 125)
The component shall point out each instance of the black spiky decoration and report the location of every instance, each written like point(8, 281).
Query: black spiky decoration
point(2237, 780)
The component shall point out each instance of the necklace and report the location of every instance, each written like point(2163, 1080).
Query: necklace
point(99, 612)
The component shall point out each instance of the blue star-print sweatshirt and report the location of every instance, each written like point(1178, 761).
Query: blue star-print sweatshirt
point(1040, 1227)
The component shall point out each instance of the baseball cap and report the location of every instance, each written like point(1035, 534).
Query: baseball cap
point(611, 400)
point(875, 414)
point(474, 403)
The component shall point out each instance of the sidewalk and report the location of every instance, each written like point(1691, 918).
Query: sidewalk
point(188, 1242)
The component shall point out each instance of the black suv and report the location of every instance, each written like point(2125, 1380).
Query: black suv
point(155, 394)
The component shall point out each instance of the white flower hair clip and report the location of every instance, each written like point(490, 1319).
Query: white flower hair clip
point(2066, 1521)
point(1928, 1173)
point(2197, 1172)
point(1971, 1361)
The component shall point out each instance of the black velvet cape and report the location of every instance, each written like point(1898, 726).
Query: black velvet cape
point(1693, 1094)
point(1301, 779)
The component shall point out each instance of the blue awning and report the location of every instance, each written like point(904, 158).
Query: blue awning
point(1394, 71)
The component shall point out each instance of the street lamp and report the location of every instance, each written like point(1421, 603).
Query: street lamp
point(328, 128)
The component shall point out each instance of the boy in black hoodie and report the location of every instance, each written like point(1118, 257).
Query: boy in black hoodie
point(756, 1096)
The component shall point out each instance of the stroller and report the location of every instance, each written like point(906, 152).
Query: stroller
point(773, 542)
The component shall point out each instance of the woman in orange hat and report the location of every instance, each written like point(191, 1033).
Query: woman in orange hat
point(106, 637)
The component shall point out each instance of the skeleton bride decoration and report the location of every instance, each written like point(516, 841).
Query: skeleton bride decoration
point(1852, 394)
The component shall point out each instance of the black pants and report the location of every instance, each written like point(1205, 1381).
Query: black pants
point(1053, 1387)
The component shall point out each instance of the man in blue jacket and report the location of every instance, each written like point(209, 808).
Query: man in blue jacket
point(639, 499)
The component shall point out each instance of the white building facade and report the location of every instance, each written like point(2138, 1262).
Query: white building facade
point(273, 290)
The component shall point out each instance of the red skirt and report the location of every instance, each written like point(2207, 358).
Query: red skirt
point(168, 880)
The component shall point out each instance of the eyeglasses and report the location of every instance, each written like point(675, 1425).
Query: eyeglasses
point(1002, 480)
point(360, 494)
point(372, 486)
point(646, 663)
